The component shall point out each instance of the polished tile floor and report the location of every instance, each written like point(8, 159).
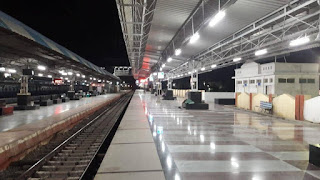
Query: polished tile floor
point(226, 143)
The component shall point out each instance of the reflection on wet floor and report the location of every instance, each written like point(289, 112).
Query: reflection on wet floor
point(226, 143)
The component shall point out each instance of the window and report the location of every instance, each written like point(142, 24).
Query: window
point(252, 81)
point(311, 81)
point(239, 82)
point(245, 82)
point(271, 80)
point(258, 81)
point(290, 80)
point(265, 80)
point(282, 80)
point(302, 81)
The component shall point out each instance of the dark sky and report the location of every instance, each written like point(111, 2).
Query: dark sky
point(89, 28)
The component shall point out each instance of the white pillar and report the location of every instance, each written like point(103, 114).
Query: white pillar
point(24, 85)
point(194, 81)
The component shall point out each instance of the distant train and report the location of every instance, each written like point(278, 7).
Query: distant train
point(37, 86)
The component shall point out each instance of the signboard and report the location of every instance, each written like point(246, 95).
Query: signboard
point(160, 75)
point(151, 78)
point(58, 81)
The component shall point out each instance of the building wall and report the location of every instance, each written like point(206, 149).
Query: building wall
point(297, 87)
point(265, 87)
point(284, 106)
point(247, 76)
point(311, 110)
point(243, 101)
point(256, 101)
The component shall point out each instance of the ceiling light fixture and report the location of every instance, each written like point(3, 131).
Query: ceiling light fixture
point(300, 41)
point(177, 52)
point(217, 18)
point(194, 38)
point(261, 52)
point(237, 59)
point(41, 68)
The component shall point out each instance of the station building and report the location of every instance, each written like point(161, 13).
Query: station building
point(278, 78)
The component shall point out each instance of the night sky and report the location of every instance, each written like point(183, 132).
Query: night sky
point(89, 28)
point(92, 30)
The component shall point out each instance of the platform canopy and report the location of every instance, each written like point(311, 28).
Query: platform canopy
point(202, 35)
point(21, 46)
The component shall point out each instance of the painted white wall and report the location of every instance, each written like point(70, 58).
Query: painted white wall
point(255, 71)
point(209, 97)
point(311, 110)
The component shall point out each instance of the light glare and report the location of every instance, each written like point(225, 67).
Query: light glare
point(261, 52)
point(194, 38)
point(300, 41)
point(217, 18)
point(177, 52)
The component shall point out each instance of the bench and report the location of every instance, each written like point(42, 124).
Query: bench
point(266, 106)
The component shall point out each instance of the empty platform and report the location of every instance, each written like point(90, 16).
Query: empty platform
point(220, 143)
point(24, 130)
point(132, 153)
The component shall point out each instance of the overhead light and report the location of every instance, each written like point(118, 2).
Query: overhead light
point(6, 75)
point(217, 18)
point(300, 41)
point(90, 78)
point(189, 72)
point(40, 74)
point(12, 70)
point(177, 52)
point(155, 73)
point(2, 69)
point(237, 59)
point(169, 59)
point(195, 71)
point(49, 76)
point(194, 37)
point(261, 52)
point(70, 73)
point(163, 65)
point(203, 69)
point(66, 78)
point(213, 65)
point(94, 79)
point(78, 75)
point(161, 69)
point(41, 68)
point(83, 76)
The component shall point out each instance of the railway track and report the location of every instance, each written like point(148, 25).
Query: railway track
point(73, 158)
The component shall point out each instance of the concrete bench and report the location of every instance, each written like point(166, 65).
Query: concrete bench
point(56, 99)
point(44, 100)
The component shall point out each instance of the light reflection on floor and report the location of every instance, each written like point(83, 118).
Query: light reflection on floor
point(225, 143)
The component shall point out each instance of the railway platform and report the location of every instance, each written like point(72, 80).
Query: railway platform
point(132, 153)
point(24, 130)
point(221, 142)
